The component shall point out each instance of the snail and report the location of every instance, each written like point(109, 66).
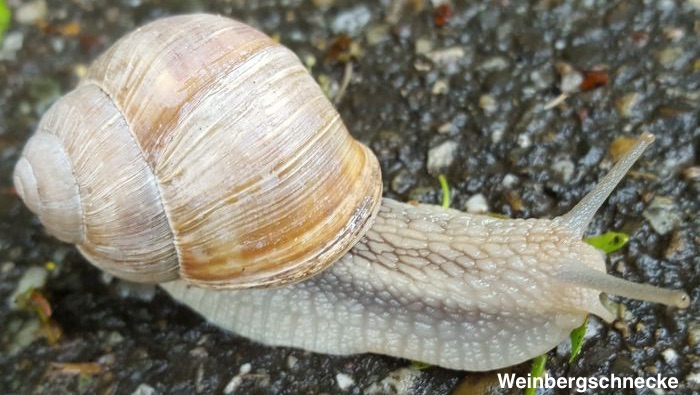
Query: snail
point(215, 166)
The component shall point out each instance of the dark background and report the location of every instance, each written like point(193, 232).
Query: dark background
point(482, 81)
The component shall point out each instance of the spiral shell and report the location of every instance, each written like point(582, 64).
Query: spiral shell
point(197, 147)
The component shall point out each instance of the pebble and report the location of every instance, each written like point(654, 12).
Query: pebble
point(510, 180)
point(403, 181)
point(524, 141)
point(238, 379)
point(25, 333)
point(670, 355)
point(565, 168)
point(144, 389)
point(671, 57)
point(571, 79)
point(377, 34)
point(488, 104)
point(626, 104)
point(440, 87)
point(398, 382)
point(140, 291)
point(446, 58)
point(442, 156)
point(495, 63)
point(661, 215)
point(35, 277)
point(344, 381)
point(423, 46)
point(292, 361)
point(476, 204)
point(693, 379)
point(30, 13)
point(351, 21)
point(10, 45)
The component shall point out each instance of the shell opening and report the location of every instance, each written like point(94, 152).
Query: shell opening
point(582, 214)
point(603, 282)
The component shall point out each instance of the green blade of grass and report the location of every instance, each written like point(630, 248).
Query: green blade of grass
point(576, 337)
point(537, 370)
point(445, 190)
point(5, 16)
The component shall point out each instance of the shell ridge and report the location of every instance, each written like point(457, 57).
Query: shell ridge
point(175, 244)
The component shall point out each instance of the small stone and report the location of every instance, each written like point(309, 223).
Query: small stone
point(398, 382)
point(344, 381)
point(402, 181)
point(140, 291)
point(10, 45)
point(446, 58)
point(497, 134)
point(114, 338)
point(35, 277)
point(524, 141)
point(446, 128)
point(292, 361)
point(377, 34)
point(670, 355)
point(144, 389)
point(7, 267)
point(199, 352)
point(488, 104)
point(671, 57)
point(440, 87)
point(25, 333)
point(495, 63)
point(423, 46)
point(626, 104)
point(662, 215)
point(245, 368)
point(30, 13)
point(510, 180)
point(476, 204)
point(442, 156)
point(571, 78)
point(565, 168)
point(693, 379)
point(235, 382)
point(351, 21)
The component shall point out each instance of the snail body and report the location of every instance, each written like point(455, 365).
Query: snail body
point(267, 188)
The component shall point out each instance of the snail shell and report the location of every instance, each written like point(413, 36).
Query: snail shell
point(181, 154)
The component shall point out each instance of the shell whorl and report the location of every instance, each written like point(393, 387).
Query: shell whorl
point(197, 142)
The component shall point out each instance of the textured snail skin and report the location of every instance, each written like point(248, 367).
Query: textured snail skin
point(427, 284)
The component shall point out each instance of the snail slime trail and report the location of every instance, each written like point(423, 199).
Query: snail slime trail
point(214, 205)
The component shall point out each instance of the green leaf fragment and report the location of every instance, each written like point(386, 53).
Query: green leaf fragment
point(5, 16)
point(445, 190)
point(537, 370)
point(418, 365)
point(576, 337)
point(609, 241)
